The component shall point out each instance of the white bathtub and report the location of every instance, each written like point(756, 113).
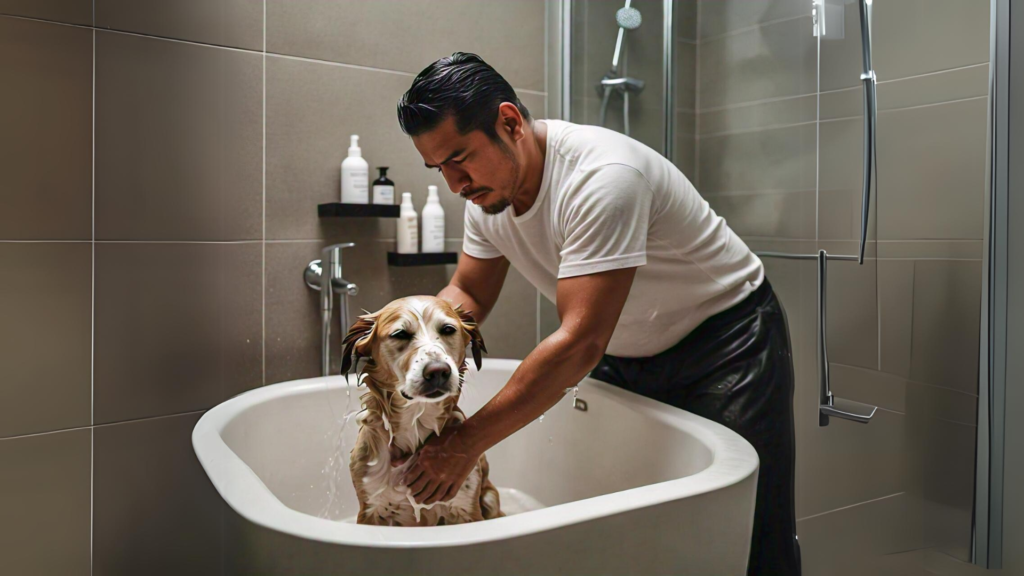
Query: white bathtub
point(631, 486)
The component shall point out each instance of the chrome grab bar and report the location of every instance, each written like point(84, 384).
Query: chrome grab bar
point(870, 121)
point(828, 405)
point(328, 280)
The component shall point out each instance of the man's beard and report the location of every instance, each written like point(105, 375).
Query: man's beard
point(502, 204)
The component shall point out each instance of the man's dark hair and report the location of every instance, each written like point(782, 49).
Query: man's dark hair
point(462, 86)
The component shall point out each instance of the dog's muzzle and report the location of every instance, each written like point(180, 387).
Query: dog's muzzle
point(436, 379)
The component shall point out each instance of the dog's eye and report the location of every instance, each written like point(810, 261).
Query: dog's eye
point(401, 335)
point(448, 330)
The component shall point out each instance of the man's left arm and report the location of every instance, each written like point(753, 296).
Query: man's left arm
point(589, 307)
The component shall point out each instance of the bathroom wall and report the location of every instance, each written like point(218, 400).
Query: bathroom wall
point(894, 496)
point(160, 167)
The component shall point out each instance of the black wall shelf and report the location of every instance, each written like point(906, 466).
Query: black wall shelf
point(422, 259)
point(339, 210)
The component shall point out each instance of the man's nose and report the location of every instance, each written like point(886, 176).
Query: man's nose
point(456, 179)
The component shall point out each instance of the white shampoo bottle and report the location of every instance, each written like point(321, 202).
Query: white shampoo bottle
point(355, 176)
point(433, 222)
point(408, 238)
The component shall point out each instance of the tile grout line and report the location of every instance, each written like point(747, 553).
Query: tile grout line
point(92, 310)
point(696, 104)
point(745, 29)
point(236, 49)
point(263, 242)
point(103, 425)
point(850, 506)
point(914, 107)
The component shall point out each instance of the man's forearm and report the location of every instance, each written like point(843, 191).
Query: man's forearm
point(559, 362)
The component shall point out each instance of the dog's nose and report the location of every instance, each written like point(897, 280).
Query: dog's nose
point(436, 375)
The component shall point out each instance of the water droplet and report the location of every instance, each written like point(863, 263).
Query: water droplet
point(541, 419)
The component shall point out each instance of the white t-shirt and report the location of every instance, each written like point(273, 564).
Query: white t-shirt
point(607, 202)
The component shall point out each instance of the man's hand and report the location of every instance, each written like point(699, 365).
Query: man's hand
point(440, 467)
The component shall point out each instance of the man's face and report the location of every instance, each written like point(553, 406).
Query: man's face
point(481, 170)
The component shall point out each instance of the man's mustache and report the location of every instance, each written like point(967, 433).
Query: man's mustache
point(467, 193)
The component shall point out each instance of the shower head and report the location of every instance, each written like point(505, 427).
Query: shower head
point(628, 18)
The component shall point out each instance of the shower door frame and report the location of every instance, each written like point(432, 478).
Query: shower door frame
point(560, 19)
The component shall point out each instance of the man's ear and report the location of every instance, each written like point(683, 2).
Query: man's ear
point(511, 122)
point(358, 341)
point(475, 339)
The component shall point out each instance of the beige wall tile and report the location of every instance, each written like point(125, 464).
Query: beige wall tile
point(46, 307)
point(70, 11)
point(850, 542)
point(718, 17)
point(946, 324)
point(896, 313)
point(686, 19)
point(931, 171)
point(869, 386)
point(943, 452)
point(44, 503)
point(910, 38)
point(408, 35)
point(312, 109)
point(178, 327)
point(686, 75)
point(942, 249)
point(852, 319)
point(767, 214)
point(846, 463)
point(178, 141)
point(46, 114)
point(771, 61)
point(237, 23)
point(780, 159)
point(155, 511)
point(919, 36)
point(758, 115)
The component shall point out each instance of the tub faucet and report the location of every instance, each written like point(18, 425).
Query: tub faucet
point(325, 275)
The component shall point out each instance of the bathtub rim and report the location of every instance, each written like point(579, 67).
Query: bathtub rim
point(734, 460)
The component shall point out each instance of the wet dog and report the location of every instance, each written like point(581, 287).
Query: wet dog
point(416, 361)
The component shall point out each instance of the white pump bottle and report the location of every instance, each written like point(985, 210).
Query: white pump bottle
point(433, 222)
point(355, 176)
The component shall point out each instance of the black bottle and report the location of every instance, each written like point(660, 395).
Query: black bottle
point(383, 189)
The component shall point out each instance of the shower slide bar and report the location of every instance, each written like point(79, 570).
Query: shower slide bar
point(870, 122)
point(828, 404)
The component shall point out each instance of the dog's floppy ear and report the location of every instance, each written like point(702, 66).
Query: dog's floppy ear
point(475, 339)
point(357, 341)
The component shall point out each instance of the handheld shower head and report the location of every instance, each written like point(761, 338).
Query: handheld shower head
point(628, 18)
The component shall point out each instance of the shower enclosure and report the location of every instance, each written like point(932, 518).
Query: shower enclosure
point(846, 142)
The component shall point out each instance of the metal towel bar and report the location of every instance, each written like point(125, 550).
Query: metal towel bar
point(828, 405)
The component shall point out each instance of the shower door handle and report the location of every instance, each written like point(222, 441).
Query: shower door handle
point(870, 82)
point(829, 405)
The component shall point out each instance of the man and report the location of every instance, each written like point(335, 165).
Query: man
point(654, 292)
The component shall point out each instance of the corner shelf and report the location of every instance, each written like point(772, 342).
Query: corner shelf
point(339, 210)
point(422, 259)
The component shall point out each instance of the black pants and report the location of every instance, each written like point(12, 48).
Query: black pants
point(736, 368)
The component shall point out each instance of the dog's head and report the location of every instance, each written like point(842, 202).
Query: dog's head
point(416, 344)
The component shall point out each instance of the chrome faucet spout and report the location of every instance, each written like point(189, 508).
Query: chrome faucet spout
point(325, 276)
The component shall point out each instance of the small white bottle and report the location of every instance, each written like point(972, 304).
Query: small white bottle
point(433, 222)
point(355, 175)
point(408, 237)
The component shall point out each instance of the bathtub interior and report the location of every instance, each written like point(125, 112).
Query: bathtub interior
point(298, 445)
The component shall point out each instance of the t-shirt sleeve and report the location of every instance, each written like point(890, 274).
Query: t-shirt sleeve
point(474, 242)
point(605, 220)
